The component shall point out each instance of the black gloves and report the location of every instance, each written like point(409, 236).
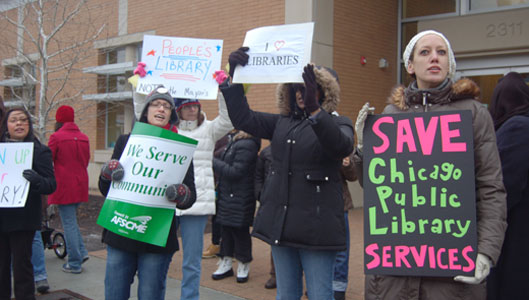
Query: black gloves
point(238, 57)
point(179, 193)
point(311, 87)
point(32, 176)
point(112, 170)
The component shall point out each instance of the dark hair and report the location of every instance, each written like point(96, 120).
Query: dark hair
point(2, 108)
point(58, 125)
point(4, 134)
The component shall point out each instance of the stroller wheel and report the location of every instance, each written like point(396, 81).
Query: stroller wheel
point(59, 245)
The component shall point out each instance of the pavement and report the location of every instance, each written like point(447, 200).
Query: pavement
point(90, 283)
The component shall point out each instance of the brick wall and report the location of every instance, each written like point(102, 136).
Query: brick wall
point(364, 28)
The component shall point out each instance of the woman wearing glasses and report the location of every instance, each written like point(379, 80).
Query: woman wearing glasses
point(18, 225)
point(126, 257)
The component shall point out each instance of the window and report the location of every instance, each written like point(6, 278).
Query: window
point(421, 8)
point(493, 4)
point(19, 85)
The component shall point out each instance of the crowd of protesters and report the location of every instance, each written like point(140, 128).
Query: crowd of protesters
point(298, 183)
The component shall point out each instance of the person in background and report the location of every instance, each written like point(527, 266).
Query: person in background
point(341, 264)
point(18, 225)
point(262, 170)
point(429, 58)
point(214, 249)
point(510, 113)
point(71, 154)
point(126, 257)
point(301, 211)
point(236, 203)
point(2, 108)
point(192, 122)
point(38, 258)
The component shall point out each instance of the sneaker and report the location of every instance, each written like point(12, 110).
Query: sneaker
point(224, 270)
point(68, 269)
point(242, 271)
point(85, 259)
point(271, 283)
point(211, 252)
point(42, 286)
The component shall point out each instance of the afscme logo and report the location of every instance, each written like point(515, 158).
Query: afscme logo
point(132, 224)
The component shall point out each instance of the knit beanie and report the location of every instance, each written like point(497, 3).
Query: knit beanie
point(411, 45)
point(181, 102)
point(160, 92)
point(64, 114)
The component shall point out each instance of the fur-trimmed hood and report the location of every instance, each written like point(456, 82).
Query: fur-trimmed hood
point(325, 79)
point(242, 135)
point(402, 97)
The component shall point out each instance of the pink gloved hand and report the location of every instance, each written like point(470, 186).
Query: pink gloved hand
point(140, 69)
point(220, 76)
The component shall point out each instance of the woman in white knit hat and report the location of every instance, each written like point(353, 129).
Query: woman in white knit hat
point(430, 60)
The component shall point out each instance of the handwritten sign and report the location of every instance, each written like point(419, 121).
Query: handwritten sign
point(14, 159)
point(185, 66)
point(136, 206)
point(277, 54)
point(419, 195)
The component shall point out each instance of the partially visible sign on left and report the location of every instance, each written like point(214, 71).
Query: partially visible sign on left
point(14, 159)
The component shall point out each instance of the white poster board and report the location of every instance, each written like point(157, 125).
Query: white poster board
point(277, 54)
point(14, 159)
point(185, 66)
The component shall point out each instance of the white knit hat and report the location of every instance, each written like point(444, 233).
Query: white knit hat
point(413, 41)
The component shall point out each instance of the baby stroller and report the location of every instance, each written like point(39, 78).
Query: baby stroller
point(52, 239)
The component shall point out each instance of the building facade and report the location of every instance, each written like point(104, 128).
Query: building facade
point(361, 39)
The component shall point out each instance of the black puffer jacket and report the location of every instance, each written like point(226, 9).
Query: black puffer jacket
point(29, 217)
point(236, 170)
point(302, 206)
point(130, 245)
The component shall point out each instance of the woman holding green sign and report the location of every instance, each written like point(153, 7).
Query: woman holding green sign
point(126, 257)
point(429, 59)
point(18, 225)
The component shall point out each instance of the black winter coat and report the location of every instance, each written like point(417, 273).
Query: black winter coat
point(302, 206)
point(235, 190)
point(29, 217)
point(130, 245)
point(508, 279)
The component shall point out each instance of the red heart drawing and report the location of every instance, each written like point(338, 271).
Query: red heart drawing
point(279, 44)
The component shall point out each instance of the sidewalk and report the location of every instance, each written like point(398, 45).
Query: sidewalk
point(90, 283)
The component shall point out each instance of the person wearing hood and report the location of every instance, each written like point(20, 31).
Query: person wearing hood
point(126, 257)
point(429, 58)
point(192, 122)
point(235, 169)
point(71, 154)
point(301, 217)
point(18, 224)
point(510, 113)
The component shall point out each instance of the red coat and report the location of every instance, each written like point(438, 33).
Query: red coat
point(71, 153)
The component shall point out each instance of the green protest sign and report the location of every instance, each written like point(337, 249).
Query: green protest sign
point(136, 207)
